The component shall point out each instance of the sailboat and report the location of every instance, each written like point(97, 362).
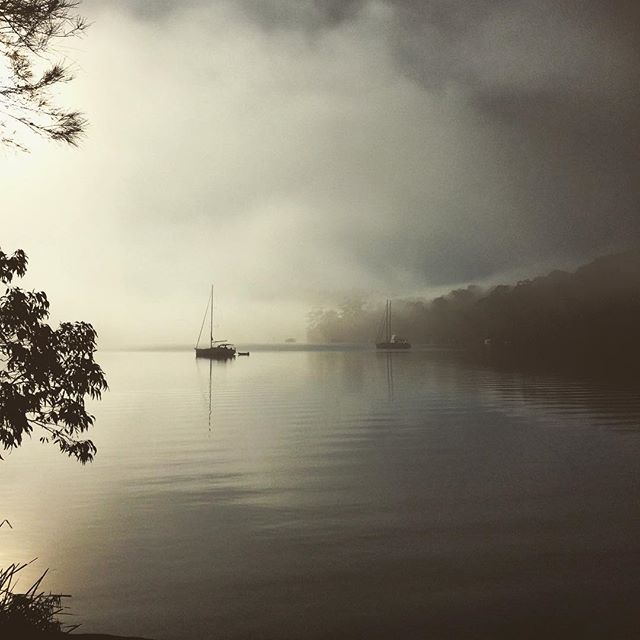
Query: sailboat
point(217, 349)
point(388, 340)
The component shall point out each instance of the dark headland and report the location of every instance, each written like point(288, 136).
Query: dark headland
point(588, 318)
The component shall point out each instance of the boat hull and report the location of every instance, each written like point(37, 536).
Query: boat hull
point(393, 345)
point(216, 353)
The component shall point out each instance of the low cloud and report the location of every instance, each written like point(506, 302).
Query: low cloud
point(294, 152)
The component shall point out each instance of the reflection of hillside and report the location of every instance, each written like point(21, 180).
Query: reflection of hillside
point(590, 316)
point(607, 404)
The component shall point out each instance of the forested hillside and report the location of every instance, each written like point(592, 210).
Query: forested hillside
point(593, 313)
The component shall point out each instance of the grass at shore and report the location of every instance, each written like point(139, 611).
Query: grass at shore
point(31, 612)
point(34, 615)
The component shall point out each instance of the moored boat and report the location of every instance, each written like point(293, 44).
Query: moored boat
point(388, 340)
point(217, 349)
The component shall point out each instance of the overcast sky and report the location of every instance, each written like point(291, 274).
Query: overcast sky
point(293, 152)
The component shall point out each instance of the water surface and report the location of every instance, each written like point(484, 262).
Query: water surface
point(330, 494)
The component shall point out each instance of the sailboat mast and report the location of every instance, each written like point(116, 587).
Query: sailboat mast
point(211, 323)
point(388, 320)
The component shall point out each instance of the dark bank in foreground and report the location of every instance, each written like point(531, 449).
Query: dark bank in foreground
point(69, 636)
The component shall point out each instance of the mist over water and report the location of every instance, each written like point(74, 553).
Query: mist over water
point(339, 494)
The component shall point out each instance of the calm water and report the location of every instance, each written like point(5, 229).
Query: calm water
point(334, 494)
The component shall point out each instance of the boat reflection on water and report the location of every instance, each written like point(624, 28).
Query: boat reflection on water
point(390, 389)
point(208, 395)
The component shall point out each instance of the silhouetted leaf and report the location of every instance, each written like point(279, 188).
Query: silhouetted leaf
point(47, 372)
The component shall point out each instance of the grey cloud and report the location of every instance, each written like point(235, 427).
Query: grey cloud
point(557, 85)
point(300, 147)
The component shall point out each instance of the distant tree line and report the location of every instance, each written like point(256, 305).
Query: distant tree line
point(592, 314)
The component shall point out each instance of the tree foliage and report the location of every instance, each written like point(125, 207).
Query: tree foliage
point(591, 315)
point(28, 72)
point(45, 373)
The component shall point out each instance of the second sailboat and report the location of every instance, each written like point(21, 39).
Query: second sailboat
point(388, 340)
